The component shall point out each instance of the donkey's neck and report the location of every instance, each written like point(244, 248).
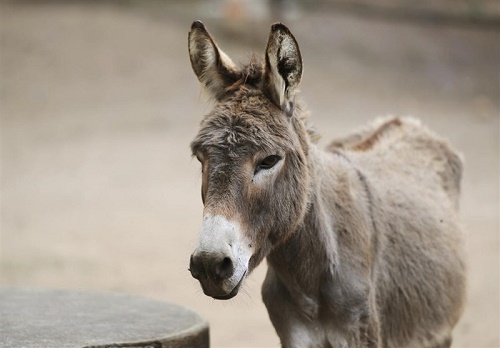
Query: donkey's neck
point(304, 260)
point(315, 264)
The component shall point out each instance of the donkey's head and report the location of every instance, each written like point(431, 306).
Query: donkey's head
point(253, 150)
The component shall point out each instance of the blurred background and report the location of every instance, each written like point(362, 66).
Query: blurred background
point(99, 104)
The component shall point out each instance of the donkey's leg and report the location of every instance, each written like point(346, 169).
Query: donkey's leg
point(292, 328)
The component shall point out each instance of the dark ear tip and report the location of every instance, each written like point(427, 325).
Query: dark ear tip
point(281, 27)
point(197, 25)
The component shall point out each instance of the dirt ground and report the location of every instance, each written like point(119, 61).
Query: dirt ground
point(99, 104)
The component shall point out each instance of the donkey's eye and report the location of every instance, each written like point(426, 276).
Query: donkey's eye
point(268, 162)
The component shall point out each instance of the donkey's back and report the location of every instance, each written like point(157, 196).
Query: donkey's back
point(403, 147)
point(414, 178)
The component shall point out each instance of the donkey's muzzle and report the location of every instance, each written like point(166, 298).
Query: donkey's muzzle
point(213, 268)
point(215, 275)
point(220, 261)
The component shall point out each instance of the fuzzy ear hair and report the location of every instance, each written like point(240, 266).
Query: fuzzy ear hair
point(214, 69)
point(283, 67)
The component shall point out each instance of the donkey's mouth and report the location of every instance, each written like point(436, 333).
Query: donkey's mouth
point(233, 292)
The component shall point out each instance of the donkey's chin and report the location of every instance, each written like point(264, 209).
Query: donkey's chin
point(216, 293)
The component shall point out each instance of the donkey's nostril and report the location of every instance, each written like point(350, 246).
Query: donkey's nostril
point(224, 268)
point(218, 269)
point(194, 268)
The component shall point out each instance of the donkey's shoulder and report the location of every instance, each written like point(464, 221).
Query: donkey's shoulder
point(405, 141)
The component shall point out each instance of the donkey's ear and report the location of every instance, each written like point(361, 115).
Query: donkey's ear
point(283, 67)
point(214, 68)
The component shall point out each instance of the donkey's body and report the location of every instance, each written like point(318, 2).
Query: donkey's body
point(378, 257)
point(362, 240)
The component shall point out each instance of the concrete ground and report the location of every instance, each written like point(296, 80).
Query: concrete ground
point(99, 104)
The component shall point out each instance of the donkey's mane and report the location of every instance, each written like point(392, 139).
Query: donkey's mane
point(250, 80)
point(249, 74)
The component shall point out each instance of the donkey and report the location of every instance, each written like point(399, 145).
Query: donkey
point(362, 240)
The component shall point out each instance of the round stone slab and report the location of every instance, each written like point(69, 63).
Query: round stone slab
point(32, 318)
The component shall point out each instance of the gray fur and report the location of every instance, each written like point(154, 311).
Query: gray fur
point(363, 241)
